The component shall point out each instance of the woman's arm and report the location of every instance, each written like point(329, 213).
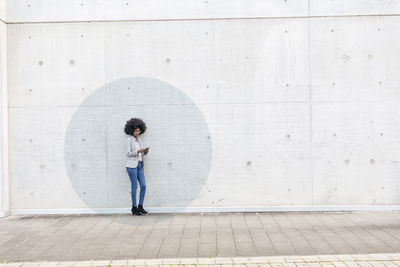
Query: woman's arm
point(144, 150)
point(132, 153)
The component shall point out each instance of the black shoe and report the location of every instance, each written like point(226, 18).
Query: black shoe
point(135, 211)
point(141, 209)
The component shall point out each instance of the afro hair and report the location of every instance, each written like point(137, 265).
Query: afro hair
point(133, 124)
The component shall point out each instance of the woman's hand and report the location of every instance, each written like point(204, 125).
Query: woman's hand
point(142, 150)
point(146, 151)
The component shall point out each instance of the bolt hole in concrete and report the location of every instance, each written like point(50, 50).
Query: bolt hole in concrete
point(176, 129)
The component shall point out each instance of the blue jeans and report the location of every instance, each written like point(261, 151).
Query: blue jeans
point(137, 174)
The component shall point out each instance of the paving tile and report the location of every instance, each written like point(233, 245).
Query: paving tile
point(311, 258)
point(169, 261)
point(84, 263)
point(329, 258)
point(337, 263)
point(364, 263)
point(98, 237)
point(390, 263)
point(66, 263)
point(276, 259)
point(118, 262)
point(30, 264)
point(206, 261)
point(394, 256)
point(362, 257)
point(101, 263)
point(190, 261)
point(377, 264)
point(259, 259)
point(153, 261)
point(293, 259)
point(380, 257)
point(48, 264)
point(223, 260)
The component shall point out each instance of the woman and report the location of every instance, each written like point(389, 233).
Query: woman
point(134, 163)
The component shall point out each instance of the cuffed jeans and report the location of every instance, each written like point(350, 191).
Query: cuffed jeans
point(137, 174)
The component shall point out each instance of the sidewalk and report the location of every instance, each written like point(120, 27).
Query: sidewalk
point(284, 261)
point(75, 238)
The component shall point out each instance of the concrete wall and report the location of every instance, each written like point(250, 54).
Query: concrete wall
point(250, 106)
point(4, 181)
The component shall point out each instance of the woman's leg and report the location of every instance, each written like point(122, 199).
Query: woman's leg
point(132, 172)
point(142, 182)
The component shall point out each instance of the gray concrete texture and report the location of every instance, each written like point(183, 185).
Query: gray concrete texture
point(306, 105)
point(178, 136)
point(117, 237)
point(111, 10)
point(299, 99)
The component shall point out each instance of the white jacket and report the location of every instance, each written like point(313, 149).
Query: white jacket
point(132, 160)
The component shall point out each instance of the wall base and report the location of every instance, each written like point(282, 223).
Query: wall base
point(4, 214)
point(210, 209)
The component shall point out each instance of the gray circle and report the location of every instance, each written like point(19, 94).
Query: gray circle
point(95, 145)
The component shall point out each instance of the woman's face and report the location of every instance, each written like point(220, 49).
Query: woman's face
point(136, 132)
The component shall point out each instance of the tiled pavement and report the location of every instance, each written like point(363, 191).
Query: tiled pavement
point(392, 259)
point(212, 235)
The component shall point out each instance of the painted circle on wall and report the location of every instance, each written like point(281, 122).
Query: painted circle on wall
point(95, 145)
